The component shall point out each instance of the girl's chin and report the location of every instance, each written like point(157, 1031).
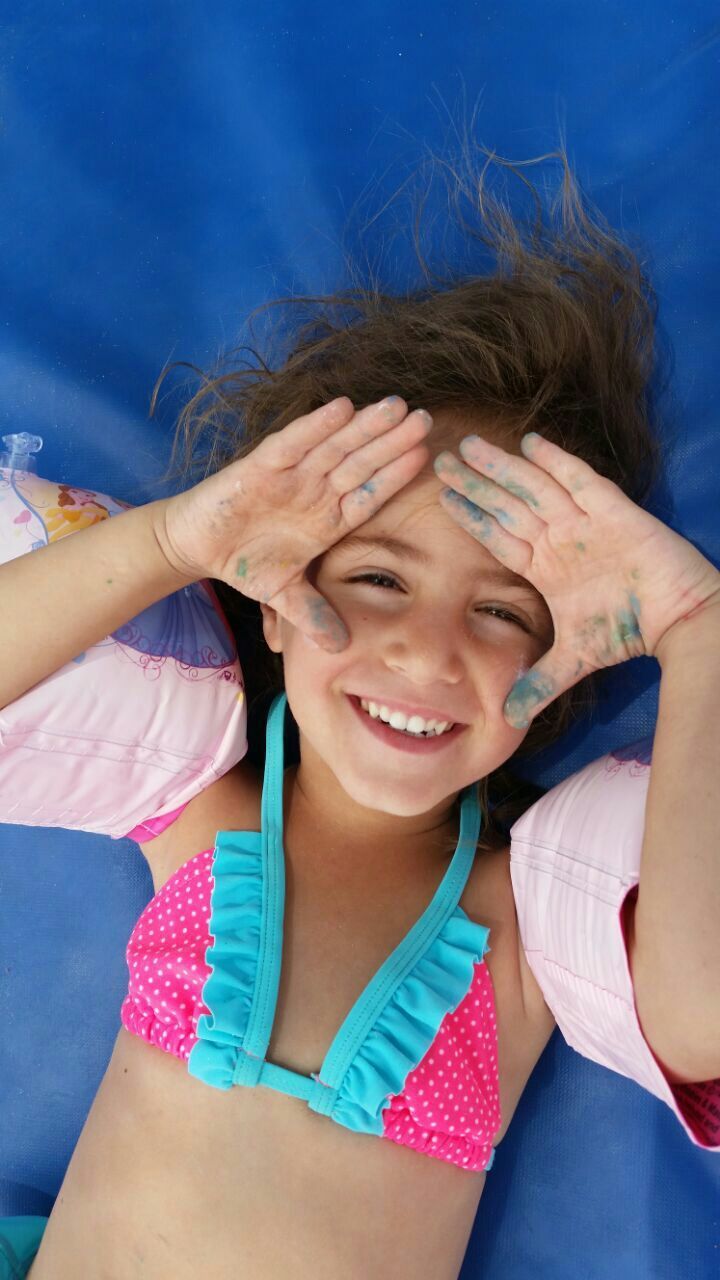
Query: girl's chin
point(396, 800)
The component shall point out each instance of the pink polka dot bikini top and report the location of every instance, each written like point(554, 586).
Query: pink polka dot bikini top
point(415, 1060)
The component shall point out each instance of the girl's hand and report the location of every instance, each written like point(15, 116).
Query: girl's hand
point(259, 522)
point(616, 580)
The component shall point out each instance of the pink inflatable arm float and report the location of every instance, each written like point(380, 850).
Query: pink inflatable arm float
point(121, 738)
point(575, 867)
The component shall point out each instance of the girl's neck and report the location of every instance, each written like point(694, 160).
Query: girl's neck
point(319, 805)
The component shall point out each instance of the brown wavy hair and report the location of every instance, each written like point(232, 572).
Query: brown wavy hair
point(556, 333)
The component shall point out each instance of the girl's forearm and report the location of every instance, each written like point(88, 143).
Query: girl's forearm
point(58, 601)
point(676, 969)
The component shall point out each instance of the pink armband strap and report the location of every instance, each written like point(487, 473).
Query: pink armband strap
point(575, 865)
point(121, 738)
point(145, 831)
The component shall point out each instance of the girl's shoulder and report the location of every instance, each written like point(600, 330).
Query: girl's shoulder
point(231, 803)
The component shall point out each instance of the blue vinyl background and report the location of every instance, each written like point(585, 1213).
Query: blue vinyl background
point(164, 168)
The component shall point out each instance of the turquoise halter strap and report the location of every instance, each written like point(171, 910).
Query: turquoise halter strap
point(320, 1091)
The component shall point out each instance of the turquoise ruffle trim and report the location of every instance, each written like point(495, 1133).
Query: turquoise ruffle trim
point(403, 1031)
point(235, 905)
point(409, 1022)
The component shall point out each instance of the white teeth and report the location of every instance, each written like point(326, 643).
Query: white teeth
point(408, 724)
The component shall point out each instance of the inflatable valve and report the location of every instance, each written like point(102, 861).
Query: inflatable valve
point(18, 451)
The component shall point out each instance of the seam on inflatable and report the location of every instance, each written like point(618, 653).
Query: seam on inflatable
point(581, 886)
point(561, 873)
point(92, 745)
point(581, 978)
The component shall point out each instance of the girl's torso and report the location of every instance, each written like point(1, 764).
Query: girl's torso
point(170, 1176)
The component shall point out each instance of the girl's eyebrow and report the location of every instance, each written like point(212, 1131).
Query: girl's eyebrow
point(406, 551)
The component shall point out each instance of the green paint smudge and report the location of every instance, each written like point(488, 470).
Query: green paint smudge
point(628, 627)
point(521, 492)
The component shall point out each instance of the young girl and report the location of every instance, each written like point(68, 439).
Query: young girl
point(334, 930)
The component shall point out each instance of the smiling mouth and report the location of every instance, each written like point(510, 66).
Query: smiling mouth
point(423, 743)
point(431, 727)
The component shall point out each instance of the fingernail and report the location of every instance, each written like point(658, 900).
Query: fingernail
point(530, 439)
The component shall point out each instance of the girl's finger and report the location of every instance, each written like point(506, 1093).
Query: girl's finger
point(535, 689)
point(588, 490)
point(366, 425)
point(509, 550)
point(311, 613)
point(540, 492)
point(510, 512)
point(362, 503)
point(287, 447)
point(362, 464)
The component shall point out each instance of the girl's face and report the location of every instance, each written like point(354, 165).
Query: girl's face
point(438, 627)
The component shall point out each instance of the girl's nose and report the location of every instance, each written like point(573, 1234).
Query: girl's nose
point(425, 650)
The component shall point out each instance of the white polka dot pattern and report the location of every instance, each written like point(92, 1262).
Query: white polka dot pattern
point(449, 1108)
point(166, 959)
point(450, 1105)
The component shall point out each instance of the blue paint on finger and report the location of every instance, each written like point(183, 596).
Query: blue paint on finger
point(325, 622)
point(526, 694)
point(504, 518)
point(467, 508)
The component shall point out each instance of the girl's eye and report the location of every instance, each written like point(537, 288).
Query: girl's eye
point(375, 577)
point(382, 579)
point(503, 613)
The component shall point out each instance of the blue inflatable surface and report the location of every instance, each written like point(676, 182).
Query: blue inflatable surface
point(163, 174)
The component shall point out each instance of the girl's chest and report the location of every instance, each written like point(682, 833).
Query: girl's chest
point(336, 940)
point(345, 914)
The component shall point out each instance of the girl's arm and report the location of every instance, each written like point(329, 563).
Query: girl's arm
point(575, 867)
point(619, 584)
point(676, 954)
point(68, 595)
